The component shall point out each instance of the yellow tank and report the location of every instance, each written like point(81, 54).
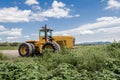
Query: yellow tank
point(46, 42)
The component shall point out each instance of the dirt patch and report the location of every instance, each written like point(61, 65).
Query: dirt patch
point(10, 53)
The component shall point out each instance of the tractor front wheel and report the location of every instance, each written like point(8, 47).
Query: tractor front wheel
point(50, 47)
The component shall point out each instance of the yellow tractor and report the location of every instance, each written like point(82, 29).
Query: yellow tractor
point(46, 42)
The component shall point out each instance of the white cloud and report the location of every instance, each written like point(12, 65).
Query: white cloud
point(74, 32)
point(12, 38)
point(111, 30)
point(113, 4)
point(88, 28)
point(2, 28)
point(58, 10)
point(31, 2)
point(11, 32)
point(103, 28)
point(107, 18)
point(37, 17)
point(86, 32)
point(57, 4)
point(102, 22)
point(12, 14)
point(27, 37)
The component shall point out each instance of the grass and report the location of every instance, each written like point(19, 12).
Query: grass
point(8, 47)
point(3, 57)
point(98, 62)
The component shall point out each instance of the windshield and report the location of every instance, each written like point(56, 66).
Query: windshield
point(42, 33)
point(49, 33)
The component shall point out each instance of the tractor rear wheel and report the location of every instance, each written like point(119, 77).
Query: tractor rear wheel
point(50, 47)
point(26, 49)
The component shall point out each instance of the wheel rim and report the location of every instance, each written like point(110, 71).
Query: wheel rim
point(23, 50)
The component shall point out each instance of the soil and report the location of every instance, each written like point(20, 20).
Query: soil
point(10, 53)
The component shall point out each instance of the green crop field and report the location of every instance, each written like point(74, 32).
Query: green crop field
point(8, 47)
point(95, 62)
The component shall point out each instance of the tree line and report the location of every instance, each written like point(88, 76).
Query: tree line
point(9, 43)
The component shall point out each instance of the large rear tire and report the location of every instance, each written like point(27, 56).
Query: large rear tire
point(26, 49)
point(50, 47)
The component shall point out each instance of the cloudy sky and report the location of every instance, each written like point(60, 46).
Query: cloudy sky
point(86, 20)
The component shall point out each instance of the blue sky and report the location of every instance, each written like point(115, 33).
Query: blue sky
point(86, 20)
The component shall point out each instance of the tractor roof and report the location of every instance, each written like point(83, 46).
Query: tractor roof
point(48, 29)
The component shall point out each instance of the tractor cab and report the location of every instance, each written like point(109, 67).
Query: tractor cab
point(45, 34)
